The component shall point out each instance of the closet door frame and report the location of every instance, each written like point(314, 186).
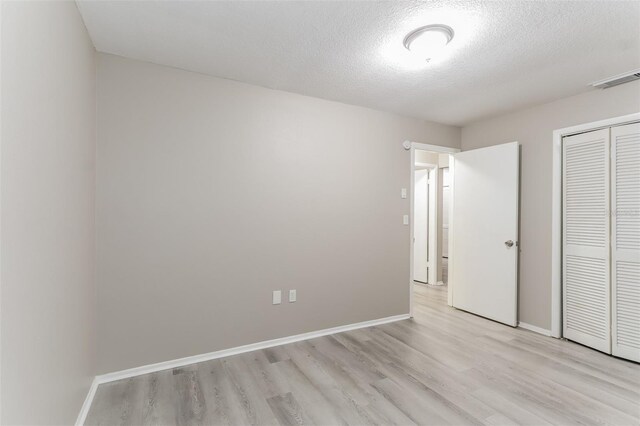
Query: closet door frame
point(557, 213)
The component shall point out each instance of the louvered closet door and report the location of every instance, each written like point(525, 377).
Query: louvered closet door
point(586, 262)
point(625, 198)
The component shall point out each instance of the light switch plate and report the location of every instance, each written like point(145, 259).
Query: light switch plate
point(277, 297)
point(405, 219)
point(292, 296)
point(403, 193)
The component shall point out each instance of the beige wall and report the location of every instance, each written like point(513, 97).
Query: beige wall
point(47, 245)
point(212, 193)
point(533, 128)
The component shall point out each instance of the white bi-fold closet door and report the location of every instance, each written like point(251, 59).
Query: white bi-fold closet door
point(625, 247)
point(601, 239)
point(586, 266)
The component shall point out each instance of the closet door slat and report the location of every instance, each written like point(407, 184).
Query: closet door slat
point(586, 239)
point(625, 247)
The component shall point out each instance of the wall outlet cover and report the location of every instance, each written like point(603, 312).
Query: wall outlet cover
point(277, 297)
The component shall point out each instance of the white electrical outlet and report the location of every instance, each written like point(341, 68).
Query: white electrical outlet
point(403, 193)
point(405, 219)
point(292, 296)
point(277, 297)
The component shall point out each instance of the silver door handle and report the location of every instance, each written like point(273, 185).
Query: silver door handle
point(509, 243)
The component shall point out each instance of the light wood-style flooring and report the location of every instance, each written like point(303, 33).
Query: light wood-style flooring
point(443, 367)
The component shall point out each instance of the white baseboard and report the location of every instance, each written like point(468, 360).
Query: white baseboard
point(87, 403)
point(535, 329)
point(181, 362)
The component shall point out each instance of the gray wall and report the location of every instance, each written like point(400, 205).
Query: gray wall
point(48, 187)
point(533, 128)
point(212, 193)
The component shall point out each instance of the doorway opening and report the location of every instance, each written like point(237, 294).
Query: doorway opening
point(482, 246)
point(430, 223)
point(430, 197)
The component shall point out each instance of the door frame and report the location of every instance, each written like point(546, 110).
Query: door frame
point(412, 147)
point(557, 209)
point(1, 123)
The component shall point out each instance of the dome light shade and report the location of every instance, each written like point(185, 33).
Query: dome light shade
point(428, 41)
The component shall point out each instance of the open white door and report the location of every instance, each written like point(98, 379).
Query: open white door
point(420, 225)
point(484, 248)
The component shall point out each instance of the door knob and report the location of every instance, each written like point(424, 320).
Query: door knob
point(509, 243)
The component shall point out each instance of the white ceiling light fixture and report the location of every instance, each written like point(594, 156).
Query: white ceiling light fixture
point(429, 41)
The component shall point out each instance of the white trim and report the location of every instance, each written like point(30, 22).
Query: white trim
point(556, 238)
point(166, 365)
point(1, 7)
point(535, 329)
point(442, 150)
point(434, 148)
point(450, 273)
point(427, 166)
point(556, 210)
point(87, 403)
point(412, 174)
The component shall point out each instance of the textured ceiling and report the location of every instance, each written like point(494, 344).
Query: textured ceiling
point(505, 55)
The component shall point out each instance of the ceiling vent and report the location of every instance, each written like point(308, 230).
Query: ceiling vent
point(618, 79)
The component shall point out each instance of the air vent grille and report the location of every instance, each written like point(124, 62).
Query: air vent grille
point(619, 79)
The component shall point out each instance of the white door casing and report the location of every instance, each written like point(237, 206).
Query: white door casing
point(586, 239)
point(625, 241)
point(485, 188)
point(413, 147)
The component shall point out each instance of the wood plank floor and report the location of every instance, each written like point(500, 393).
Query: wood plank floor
point(443, 367)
